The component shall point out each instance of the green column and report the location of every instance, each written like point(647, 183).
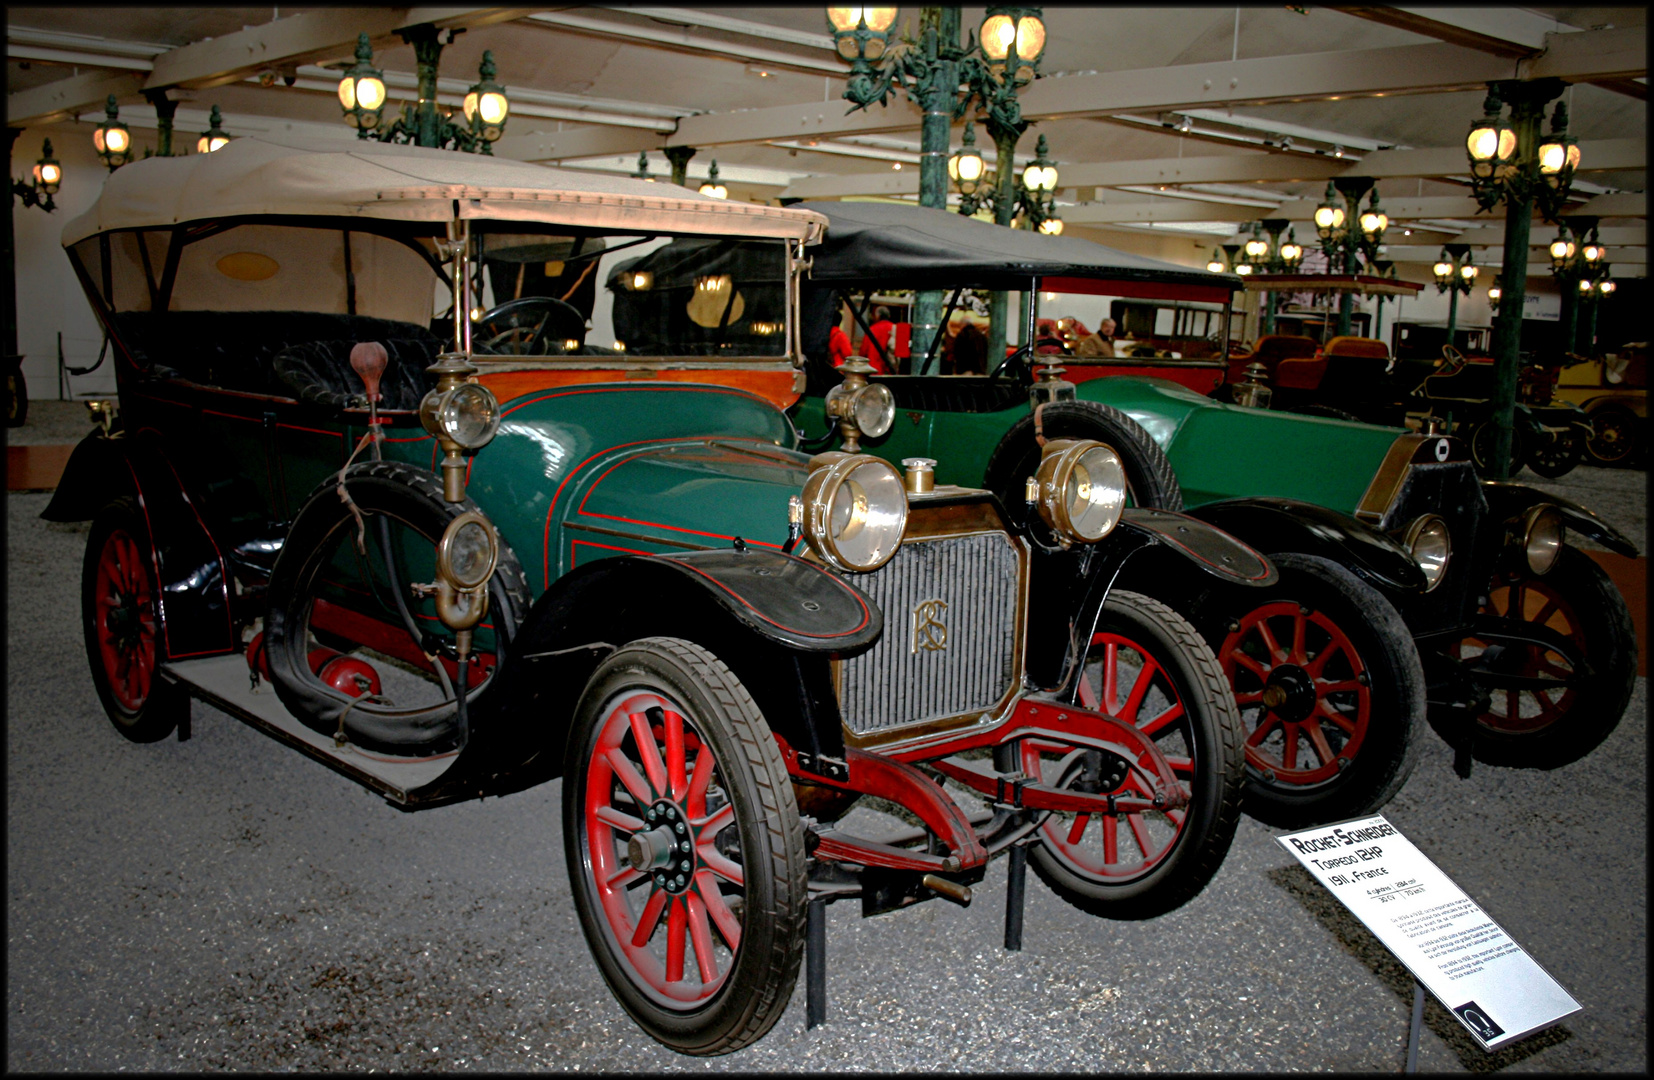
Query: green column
point(1588, 329)
point(1452, 311)
point(679, 157)
point(1005, 141)
point(940, 28)
point(1507, 326)
point(1569, 282)
point(427, 56)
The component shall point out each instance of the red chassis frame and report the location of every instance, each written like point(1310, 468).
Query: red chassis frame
point(1047, 725)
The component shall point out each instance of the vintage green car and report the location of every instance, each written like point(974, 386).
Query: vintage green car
point(549, 531)
point(1406, 583)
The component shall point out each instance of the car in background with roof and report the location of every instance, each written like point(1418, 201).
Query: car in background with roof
point(1419, 586)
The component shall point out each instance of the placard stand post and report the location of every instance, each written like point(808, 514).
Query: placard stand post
point(1414, 1028)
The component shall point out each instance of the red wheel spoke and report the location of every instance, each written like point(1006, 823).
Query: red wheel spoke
point(1111, 676)
point(618, 819)
point(723, 918)
point(648, 753)
point(1088, 693)
point(1324, 688)
point(1547, 668)
point(1249, 698)
point(649, 918)
point(701, 934)
point(1513, 705)
point(1153, 727)
point(1182, 766)
point(1318, 739)
point(1176, 818)
point(1276, 653)
point(712, 826)
point(1269, 723)
point(1078, 828)
point(1289, 753)
point(1345, 724)
point(675, 771)
point(1299, 622)
point(1111, 839)
point(699, 778)
point(623, 876)
point(628, 776)
point(714, 860)
point(1140, 834)
point(1545, 613)
point(676, 939)
point(1250, 664)
point(1139, 690)
point(1332, 649)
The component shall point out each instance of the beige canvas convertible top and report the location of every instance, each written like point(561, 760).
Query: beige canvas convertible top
point(264, 175)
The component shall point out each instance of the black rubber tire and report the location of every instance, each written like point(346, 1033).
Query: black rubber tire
point(1150, 480)
point(1481, 448)
point(1554, 457)
point(1395, 694)
point(1600, 619)
point(1209, 732)
point(758, 982)
point(17, 399)
point(412, 496)
point(160, 710)
point(1617, 431)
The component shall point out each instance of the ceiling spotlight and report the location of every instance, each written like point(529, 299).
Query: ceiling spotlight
point(1186, 125)
point(1337, 151)
point(896, 165)
point(1407, 232)
point(1286, 142)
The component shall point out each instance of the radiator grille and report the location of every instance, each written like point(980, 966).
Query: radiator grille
point(900, 681)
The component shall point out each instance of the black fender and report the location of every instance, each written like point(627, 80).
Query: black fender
point(1274, 525)
point(775, 620)
point(1506, 501)
point(1149, 550)
point(195, 606)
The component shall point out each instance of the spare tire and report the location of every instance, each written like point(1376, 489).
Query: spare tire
point(1150, 481)
point(411, 498)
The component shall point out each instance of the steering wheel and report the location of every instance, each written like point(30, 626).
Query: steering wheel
point(521, 327)
point(1017, 363)
point(1453, 361)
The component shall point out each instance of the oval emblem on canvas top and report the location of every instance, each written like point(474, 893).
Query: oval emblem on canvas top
point(248, 266)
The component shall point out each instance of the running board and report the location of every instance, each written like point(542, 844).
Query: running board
point(222, 682)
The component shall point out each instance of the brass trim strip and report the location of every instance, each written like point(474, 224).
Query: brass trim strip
point(636, 536)
point(1392, 473)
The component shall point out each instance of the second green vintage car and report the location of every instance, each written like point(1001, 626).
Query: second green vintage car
point(1408, 587)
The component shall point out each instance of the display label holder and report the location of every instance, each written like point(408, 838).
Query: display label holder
point(1450, 945)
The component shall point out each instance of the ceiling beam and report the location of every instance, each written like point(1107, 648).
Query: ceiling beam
point(1619, 204)
point(1403, 69)
point(1542, 235)
point(1594, 155)
point(310, 36)
point(683, 39)
point(586, 141)
point(1509, 32)
point(62, 99)
point(1157, 210)
point(1489, 259)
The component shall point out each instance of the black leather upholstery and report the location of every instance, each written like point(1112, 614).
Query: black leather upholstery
point(319, 373)
point(235, 350)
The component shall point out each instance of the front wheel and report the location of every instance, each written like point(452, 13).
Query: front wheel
point(1150, 481)
point(1556, 454)
point(1548, 709)
point(1330, 690)
point(684, 847)
point(1481, 447)
point(1147, 667)
point(1613, 438)
point(125, 641)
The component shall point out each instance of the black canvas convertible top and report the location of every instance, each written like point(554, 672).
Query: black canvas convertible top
point(883, 243)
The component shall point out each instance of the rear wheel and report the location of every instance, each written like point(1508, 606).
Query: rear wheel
point(684, 847)
point(1549, 710)
point(1481, 448)
point(1614, 434)
point(124, 638)
point(1556, 454)
point(1148, 667)
point(1330, 690)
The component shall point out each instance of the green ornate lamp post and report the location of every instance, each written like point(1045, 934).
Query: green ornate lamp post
point(1348, 233)
point(112, 138)
point(1511, 163)
point(215, 136)
point(712, 188)
point(484, 109)
point(1455, 273)
point(1575, 257)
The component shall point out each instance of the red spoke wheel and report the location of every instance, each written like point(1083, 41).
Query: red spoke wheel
point(1147, 667)
point(1330, 690)
point(121, 615)
point(684, 847)
point(1539, 726)
point(1615, 434)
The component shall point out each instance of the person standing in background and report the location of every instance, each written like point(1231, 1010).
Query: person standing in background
point(838, 342)
point(886, 343)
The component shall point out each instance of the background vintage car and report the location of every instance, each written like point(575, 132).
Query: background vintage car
point(1342, 506)
point(572, 555)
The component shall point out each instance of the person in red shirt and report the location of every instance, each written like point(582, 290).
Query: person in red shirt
point(838, 342)
point(891, 338)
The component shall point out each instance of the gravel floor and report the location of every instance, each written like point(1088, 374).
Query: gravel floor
point(223, 903)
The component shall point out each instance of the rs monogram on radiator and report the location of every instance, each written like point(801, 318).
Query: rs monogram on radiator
point(929, 631)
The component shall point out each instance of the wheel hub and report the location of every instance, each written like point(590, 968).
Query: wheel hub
point(668, 850)
point(1290, 693)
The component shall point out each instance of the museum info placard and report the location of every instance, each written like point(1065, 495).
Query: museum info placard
point(1443, 937)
